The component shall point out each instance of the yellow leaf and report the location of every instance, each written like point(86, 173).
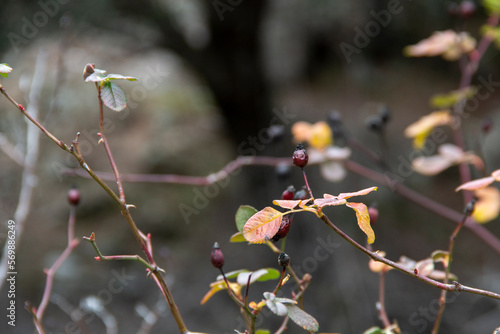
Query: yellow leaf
point(488, 205)
point(321, 136)
point(237, 237)
point(363, 219)
point(219, 286)
point(262, 226)
point(423, 127)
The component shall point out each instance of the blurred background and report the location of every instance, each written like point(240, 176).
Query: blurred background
point(212, 76)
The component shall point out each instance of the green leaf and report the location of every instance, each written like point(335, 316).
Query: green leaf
point(120, 77)
point(493, 6)
point(232, 274)
point(97, 76)
point(301, 318)
point(373, 330)
point(5, 70)
point(243, 214)
point(443, 101)
point(263, 331)
point(113, 96)
point(270, 274)
point(237, 237)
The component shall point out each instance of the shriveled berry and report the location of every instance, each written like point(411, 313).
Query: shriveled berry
point(284, 228)
point(217, 257)
point(373, 213)
point(288, 193)
point(467, 9)
point(374, 123)
point(385, 114)
point(300, 157)
point(301, 194)
point(74, 196)
point(284, 260)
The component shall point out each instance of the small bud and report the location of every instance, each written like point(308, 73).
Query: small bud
point(88, 70)
point(217, 257)
point(284, 260)
point(284, 228)
point(373, 213)
point(74, 196)
point(288, 193)
point(487, 124)
point(469, 208)
point(300, 157)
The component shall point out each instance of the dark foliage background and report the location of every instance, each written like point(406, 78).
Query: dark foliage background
point(208, 81)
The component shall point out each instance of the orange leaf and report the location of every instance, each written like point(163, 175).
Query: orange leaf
point(263, 225)
point(219, 286)
point(287, 204)
point(476, 184)
point(363, 219)
point(358, 193)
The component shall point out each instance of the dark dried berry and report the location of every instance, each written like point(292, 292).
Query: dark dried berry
point(374, 123)
point(373, 213)
point(284, 228)
point(284, 260)
point(288, 193)
point(74, 196)
point(300, 157)
point(385, 114)
point(217, 257)
point(301, 194)
point(276, 132)
point(469, 208)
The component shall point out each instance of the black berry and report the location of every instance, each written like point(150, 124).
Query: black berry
point(276, 132)
point(284, 260)
point(74, 196)
point(469, 208)
point(283, 171)
point(288, 193)
point(301, 194)
point(385, 114)
point(217, 257)
point(300, 157)
point(375, 123)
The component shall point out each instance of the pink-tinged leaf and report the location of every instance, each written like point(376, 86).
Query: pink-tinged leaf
point(425, 267)
point(263, 225)
point(476, 184)
point(287, 204)
point(363, 219)
point(432, 165)
point(358, 193)
point(329, 200)
point(496, 175)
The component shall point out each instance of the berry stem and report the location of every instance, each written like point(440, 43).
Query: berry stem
point(307, 183)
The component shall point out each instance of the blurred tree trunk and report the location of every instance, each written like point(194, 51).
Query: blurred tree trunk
point(230, 63)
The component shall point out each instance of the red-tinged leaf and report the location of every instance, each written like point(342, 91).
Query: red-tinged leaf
point(262, 226)
point(329, 200)
point(477, 184)
point(287, 204)
point(363, 219)
point(358, 193)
